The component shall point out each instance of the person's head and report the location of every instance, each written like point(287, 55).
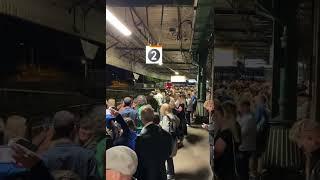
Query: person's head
point(111, 103)
point(172, 103)
point(229, 120)
point(306, 134)
point(244, 107)
point(218, 115)
point(230, 110)
point(156, 119)
point(121, 163)
point(86, 129)
point(127, 101)
point(15, 127)
point(98, 115)
point(147, 114)
point(141, 100)
point(64, 125)
point(165, 109)
point(167, 99)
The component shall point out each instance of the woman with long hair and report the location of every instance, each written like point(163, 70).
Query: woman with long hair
point(226, 142)
point(170, 123)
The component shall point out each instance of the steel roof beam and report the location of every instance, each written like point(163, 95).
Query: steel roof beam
point(144, 3)
point(221, 12)
point(178, 63)
point(237, 30)
point(143, 49)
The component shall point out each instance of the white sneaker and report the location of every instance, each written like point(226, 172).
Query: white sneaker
point(170, 177)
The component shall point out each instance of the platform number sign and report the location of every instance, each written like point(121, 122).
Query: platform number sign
point(153, 55)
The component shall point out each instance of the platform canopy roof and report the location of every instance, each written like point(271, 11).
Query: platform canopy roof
point(183, 26)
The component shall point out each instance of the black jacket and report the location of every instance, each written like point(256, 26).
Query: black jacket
point(153, 148)
point(315, 166)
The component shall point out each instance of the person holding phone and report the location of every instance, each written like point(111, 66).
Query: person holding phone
point(31, 161)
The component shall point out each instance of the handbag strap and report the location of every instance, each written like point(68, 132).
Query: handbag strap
point(234, 158)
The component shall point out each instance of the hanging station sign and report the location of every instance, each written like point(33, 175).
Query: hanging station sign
point(154, 55)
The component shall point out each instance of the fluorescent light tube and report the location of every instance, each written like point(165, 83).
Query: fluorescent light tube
point(117, 24)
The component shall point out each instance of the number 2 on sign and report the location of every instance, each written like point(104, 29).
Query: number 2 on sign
point(154, 55)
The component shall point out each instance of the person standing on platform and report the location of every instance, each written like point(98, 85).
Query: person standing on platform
point(212, 127)
point(153, 148)
point(128, 111)
point(262, 116)
point(128, 135)
point(194, 104)
point(226, 143)
point(189, 109)
point(306, 134)
point(141, 101)
point(248, 138)
point(170, 123)
point(65, 154)
point(159, 97)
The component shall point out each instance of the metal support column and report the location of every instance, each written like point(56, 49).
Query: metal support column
point(276, 61)
point(203, 56)
point(288, 76)
point(282, 157)
point(315, 112)
point(202, 82)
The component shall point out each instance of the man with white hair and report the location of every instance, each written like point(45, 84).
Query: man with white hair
point(121, 163)
point(153, 148)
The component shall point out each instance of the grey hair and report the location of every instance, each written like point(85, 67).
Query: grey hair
point(141, 100)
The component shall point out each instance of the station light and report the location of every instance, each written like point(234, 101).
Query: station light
point(117, 24)
point(176, 73)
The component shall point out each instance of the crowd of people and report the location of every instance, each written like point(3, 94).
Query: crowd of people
point(138, 137)
point(238, 128)
point(153, 127)
point(237, 132)
point(71, 147)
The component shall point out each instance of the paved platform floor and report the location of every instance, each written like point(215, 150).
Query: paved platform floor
point(192, 160)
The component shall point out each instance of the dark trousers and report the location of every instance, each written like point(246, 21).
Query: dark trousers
point(170, 167)
point(188, 116)
point(243, 167)
point(212, 160)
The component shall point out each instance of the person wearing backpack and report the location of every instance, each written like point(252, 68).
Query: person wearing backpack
point(170, 123)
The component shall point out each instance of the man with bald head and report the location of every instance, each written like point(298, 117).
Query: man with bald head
point(127, 110)
point(153, 148)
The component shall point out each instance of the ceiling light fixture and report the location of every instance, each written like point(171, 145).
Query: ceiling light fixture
point(176, 73)
point(117, 24)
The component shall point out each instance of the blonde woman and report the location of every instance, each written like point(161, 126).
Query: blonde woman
point(306, 134)
point(226, 142)
point(170, 123)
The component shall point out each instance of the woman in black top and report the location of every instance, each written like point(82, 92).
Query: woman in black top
point(226, 142)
